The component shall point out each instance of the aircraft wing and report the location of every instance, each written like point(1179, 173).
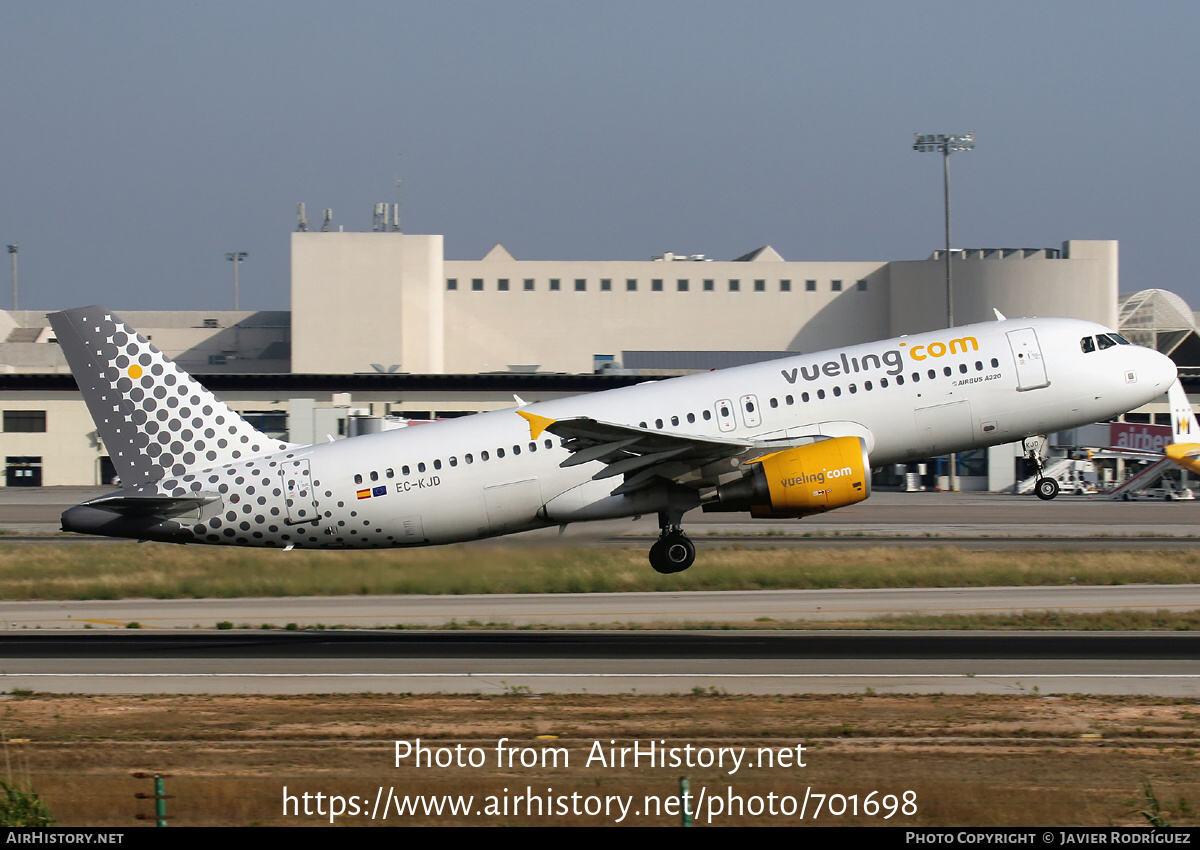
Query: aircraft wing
point(642, 455)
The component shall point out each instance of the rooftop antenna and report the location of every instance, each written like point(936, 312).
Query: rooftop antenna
point(302, 222)
point(396, 209)
point(379, 220)
point(328, 219)
point(396, 206)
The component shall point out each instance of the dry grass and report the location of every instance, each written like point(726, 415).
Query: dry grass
point(972, 760)
point(115, 571)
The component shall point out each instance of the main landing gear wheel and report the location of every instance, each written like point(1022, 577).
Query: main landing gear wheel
point(673, 553)
point(1046, 489)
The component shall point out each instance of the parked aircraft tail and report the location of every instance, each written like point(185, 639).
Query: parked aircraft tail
point(1183, 421)
point(153, 417)
point(1185, 433)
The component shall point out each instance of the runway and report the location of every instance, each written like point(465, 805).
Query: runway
point(675, 662)
point(524, 663)
point(589, 610)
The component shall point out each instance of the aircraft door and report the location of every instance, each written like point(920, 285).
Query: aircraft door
point(1027, 354)
point(751, 418)
point(724, 411)
point(298, 492)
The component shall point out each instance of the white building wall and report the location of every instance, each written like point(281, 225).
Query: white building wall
point(1082, 284)
point(70, 447)
point(560, 330)
point(364, 298)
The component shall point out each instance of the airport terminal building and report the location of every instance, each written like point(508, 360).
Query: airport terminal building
point(382, 326)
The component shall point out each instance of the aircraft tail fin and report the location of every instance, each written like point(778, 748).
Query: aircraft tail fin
point(154, 418)
point(1184, 428)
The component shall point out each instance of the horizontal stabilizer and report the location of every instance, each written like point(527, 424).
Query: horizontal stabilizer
point(163, 506)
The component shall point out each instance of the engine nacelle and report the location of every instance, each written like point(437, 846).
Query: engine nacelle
point(809, 479)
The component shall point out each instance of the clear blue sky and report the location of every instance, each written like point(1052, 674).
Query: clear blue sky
point(143, 140)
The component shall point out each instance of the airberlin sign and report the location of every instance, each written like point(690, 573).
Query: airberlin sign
point(1145, 438)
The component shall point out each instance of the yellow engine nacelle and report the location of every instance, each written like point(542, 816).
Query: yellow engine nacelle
point(798, 482)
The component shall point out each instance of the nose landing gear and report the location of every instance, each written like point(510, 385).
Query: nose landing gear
point(1046, 488)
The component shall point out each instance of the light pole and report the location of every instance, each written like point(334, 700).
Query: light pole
point(946, 145)
point(236, 257)
point(12, 249)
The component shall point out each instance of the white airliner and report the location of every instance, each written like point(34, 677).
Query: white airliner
point(782, 439)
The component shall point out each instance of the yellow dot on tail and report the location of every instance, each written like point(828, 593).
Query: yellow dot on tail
point(135, 371)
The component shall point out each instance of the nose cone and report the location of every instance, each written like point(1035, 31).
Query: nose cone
point(1159, 369)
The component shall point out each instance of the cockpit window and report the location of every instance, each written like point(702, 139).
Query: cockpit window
point(1105, 341)
point(1087, 344)
point(1120, 339)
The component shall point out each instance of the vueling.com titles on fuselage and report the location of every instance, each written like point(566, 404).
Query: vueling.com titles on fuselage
point(893, 358)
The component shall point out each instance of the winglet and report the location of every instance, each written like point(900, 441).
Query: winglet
point(537, 424)
point(1000, 317)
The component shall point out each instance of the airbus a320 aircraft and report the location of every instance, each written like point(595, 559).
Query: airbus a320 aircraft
point(782, 439)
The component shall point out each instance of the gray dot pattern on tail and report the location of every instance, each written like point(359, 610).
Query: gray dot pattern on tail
point(165, 419)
